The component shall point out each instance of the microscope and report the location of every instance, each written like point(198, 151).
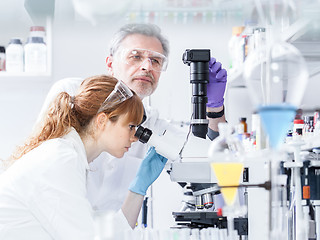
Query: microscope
point(271, 198)
point(190, 164)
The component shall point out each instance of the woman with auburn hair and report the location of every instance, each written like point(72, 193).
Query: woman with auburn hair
point(43, 191)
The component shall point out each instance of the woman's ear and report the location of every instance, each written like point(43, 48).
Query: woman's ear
point(101, 120)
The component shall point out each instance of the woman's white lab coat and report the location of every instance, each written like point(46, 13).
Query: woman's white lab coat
point(43, 194)
point(109, 178)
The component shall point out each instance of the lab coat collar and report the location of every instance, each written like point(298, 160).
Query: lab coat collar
point(146, 112)
point(74, 137)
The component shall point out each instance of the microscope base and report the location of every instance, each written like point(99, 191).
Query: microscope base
point(205, 219)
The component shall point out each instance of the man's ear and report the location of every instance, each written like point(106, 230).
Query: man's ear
point(109, 62)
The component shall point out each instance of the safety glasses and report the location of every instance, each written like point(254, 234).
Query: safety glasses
point(137, 56)
point(120, 93)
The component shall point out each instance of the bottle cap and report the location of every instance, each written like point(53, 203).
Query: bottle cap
point(2, 49)
point(37, 28)
point(15, 41)
point(298, 121)
point(308, 118)
point(237, 30)
point(35, 40)
point(260, 29)
point(250, 22)
point(243, 119)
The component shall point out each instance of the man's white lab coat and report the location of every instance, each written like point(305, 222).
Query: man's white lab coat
point(43, 194)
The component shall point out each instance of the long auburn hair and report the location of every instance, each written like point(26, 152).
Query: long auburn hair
point(67, 111)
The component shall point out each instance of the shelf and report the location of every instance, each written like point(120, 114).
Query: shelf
point(295, 31)
point(306, 144)
point(23, 74)
point(7, 78)
point(11, 76)
point(302, 35)
point(235, 78)
point(13, 82)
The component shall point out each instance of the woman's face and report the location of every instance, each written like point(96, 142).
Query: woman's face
point(118, 136)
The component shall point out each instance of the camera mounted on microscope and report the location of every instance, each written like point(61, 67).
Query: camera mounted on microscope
point(198, 60)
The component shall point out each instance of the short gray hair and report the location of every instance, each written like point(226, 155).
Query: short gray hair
point(150, 30)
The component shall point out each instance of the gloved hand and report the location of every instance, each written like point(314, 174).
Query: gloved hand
point(150, 169)
point(217, 84)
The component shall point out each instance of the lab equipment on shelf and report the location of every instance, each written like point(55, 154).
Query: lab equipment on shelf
point(35, 55)
point(2, 58)
point(38, 31)
point(30, 57)
point(14, 56)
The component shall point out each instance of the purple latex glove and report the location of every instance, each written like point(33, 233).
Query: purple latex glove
point(217, 84)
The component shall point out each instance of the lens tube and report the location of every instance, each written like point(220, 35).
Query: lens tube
point(198, 60)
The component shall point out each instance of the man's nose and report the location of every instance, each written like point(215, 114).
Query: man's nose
point(146, 64)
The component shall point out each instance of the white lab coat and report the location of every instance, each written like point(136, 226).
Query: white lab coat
point(109, 178)
point(43, 194)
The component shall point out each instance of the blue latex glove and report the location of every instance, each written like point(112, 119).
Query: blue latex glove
point(217, 84)
point(150, 169)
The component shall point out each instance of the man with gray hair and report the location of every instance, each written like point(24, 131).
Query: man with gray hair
point(138, 55)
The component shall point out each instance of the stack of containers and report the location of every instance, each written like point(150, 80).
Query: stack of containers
point(31, 58)
point(244, 40)
point(233, 46)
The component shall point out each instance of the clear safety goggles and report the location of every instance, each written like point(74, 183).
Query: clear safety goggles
point(120, 93)
point(137, 57)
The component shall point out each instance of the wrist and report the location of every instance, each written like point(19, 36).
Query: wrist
point(137, 187)
point(217, 112)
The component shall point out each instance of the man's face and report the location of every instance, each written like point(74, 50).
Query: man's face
point(142, 79)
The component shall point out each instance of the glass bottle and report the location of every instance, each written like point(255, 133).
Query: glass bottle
point(2, 58)
point(308, 126)
point(243, 126)
point(38, 31)
point(14, 56)
point(35, 55)
point(233, 47)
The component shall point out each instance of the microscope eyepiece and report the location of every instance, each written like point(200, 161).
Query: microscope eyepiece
point(167, 144)
point(143, 134)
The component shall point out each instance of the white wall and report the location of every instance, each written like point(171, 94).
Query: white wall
point(20, 102)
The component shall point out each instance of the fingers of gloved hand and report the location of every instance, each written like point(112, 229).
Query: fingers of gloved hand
point(151, 150)
point(163, 160)
point(211, 62)
point(150, 169)
point(159, 159)
point(149, 155)
point(222, 75)
point(154, 158)
point(215, 67)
